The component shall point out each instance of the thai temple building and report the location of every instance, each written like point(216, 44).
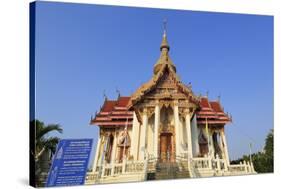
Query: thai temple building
point(162, 131)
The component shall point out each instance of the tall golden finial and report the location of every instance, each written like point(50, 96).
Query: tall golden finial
point(164, 43)
point(165, 27)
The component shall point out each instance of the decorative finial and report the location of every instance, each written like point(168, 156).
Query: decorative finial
point(165, 27)
point(189, 85)
point(118, 92)
point(219, 98)
point(104, 95)
point(207, 93)
point(164, 44)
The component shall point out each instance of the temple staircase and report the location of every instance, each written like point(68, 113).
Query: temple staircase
point(172, 170)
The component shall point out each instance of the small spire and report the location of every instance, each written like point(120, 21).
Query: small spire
point(219, 98)
point(104, 95)
point(118, 92)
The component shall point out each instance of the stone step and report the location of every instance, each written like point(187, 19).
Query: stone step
point(162, 177)
point(171, 175)
point(171, 170)
point(167, 172)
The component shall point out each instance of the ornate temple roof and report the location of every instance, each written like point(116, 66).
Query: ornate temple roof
point(117, 112)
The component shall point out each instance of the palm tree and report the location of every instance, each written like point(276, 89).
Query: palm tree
point(42, 144)
point(42, 141)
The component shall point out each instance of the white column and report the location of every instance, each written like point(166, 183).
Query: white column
point(135, 137)
point(221, 146)
point(225, 147)
point(181, 137)
point(102, 158)
point(177, 130)
point(194, 135)
point(156, 128)
point(143, 135)
point(211, 145)
point(102, 149)
point(97, 155)
point(113, 155)
point(188, 133)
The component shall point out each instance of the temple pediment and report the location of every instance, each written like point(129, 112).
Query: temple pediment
point(165, 84)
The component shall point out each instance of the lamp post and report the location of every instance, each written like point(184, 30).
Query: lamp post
point(250, 146)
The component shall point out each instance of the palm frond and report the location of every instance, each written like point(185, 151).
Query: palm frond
point(51, 143)
point(41, 131)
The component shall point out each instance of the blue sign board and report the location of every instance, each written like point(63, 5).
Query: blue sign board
point(70, 162)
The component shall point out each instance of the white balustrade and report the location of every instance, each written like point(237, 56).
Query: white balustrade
point(117, 169)
point(244, 167)
point(202, 163)
point(148, 165)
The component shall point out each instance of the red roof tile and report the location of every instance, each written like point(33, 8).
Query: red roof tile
point(216, 106)
point(123, 101)
point(204, 103)
point(108, 105)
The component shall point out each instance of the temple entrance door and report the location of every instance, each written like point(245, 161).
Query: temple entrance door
point(166, 147)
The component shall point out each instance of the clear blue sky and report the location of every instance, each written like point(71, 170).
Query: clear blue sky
point(82, 50)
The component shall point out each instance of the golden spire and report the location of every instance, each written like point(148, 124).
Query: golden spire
point(164, 48)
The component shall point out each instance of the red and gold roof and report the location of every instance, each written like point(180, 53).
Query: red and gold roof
point(212, 111)
point(115, 113)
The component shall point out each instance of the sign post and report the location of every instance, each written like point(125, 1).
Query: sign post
point(70, 162)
